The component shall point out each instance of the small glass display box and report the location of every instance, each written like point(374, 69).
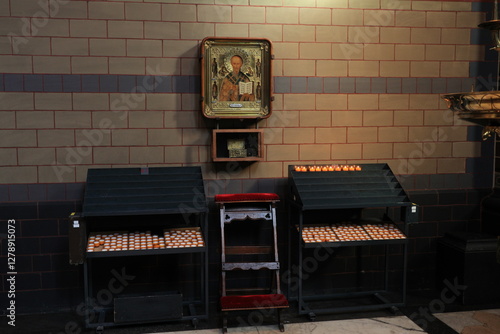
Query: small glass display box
point(237, 145)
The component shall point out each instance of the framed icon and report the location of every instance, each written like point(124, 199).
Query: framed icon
point(236, 78)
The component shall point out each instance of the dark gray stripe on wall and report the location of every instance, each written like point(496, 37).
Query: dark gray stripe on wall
point(106, 83)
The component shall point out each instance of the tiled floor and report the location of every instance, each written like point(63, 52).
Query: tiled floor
point(385, 325)
point(473, 322)
point(455, 319)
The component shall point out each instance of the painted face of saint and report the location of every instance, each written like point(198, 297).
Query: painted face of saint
point(236, 63)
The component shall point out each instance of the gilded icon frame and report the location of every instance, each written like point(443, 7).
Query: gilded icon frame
point(236, 77)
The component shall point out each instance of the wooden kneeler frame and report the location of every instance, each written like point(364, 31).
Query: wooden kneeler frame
point(241, 207)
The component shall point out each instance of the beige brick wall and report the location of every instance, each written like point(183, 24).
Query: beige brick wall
point(328, 51)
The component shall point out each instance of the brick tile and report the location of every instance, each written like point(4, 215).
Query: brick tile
point(282, 15)
point(197, 30)
point(13, 82)
point(29, 46)
point(394, 85)
point(180, 84)
point(15, 64)
point(316, 16)
point(331, 135)
point(364, 68)
point(457, 69)
point(52, 83)
point(410, 19)
point(425, 35)
point(439, 85)
point(298, 85)
point(161, 30)
point(73, 10)
point(75, 119)
point(314, 85)
point(106, 10)
point(393, 134)
point(8, 156)
point(16, 101)
point(129, 137)
point(107, 47)
point(286, 50)
point(315, 50)
point(346, 151)
point(424, 85)
point(452, 165)
point(126, 65)
point(72, 83)
point(314, 152)
point(125, 29)
point(326, 101)
point(90, 101)
point(362, 135)
point(36, 156)
point(282, 85)
point(69, 46)
point(51, 64)
point(347, 51)
point(315, 118)
point(298, 135)
point(409, 85)
point(127, 83)
point(88, 28)
point(282, 152)
point(331, 34)
point(18, 192)
point(111, 155)
point(363, 85)
point(266, 170)
point(178, 12)
point(163, 84)
point(35, 119)
point(89, 65)
point(297, 33)
point(379, 52)
point(395, 68)
point(442, 19)
point(90, 83)
point(377, 150)
point(144, 48)
point(408, 117)
point(53, 101)
point(453, 85)
point(212, 13)
point(410, 52)
point(17, 174)
point(394, 35)
point(363, 101)
point(424, 101)
point(231, 30)
point(378, 85)
point(142, 155)
point(246, 14)
point(347, 17)
point(273, 32)
point(331, 85)
point(143, 11)
point(299, 102)
point(347, 85)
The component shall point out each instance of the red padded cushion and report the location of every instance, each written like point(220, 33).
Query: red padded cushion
point(250, 197)
point(233, 303)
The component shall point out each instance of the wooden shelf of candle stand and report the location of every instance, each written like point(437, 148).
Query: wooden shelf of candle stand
point(253, 140)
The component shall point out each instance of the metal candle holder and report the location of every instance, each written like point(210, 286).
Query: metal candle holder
point(482, 108)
